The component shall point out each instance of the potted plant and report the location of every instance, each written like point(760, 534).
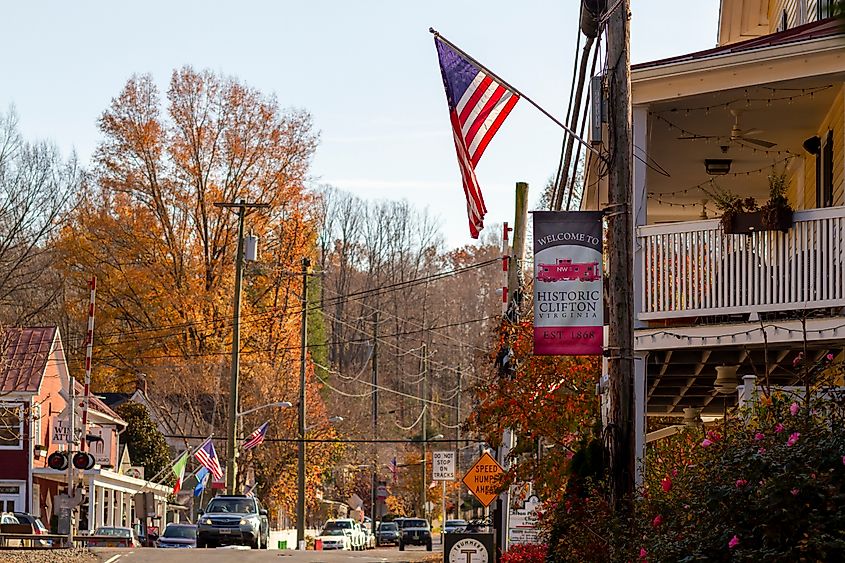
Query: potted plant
point(739, 215)
point(776, 214)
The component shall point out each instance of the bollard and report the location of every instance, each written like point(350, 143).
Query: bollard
point(302, 545)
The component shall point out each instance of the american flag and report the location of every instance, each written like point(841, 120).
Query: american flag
point(257, 437)
point(208, 459)
point(478, 105)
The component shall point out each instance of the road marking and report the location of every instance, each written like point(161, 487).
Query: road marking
point(114, 558)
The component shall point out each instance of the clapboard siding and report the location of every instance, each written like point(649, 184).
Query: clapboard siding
point(833, 121)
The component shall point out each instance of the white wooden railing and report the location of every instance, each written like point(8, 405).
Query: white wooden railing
point(694, 269)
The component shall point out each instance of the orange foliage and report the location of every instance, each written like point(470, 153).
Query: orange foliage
point(550, 404)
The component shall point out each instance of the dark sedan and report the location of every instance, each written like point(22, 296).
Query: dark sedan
point(178, 535)
point(387, 533)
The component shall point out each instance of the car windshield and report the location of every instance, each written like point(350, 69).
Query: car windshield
point(118, 532)
point(188, 532)
point(388, 527)
point(456, 522)
point(338, 525)
point(235, 506)
point(332, 532)
point(414, 524)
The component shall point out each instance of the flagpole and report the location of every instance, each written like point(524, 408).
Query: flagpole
point(513, 89)
point(172, 463)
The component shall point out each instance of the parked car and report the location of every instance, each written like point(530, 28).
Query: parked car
point(415, 531)
point(351, 528)
point(113, 536)
point(334, 538)
point(178, 535)
point(387, 534)
point(8, 518)
point(38, 527)
point(453, 526)
point(233, 520)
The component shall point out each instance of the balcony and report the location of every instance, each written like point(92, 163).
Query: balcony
point(692, 270)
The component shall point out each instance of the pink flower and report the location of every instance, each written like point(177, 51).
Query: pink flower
point(793, 438)
point(843, 460)
point(741, 483)
point(658, 520)
point(829, 357)
point(779, 428)
point(713, 436)
point(795, 492)
point(674, 473)
point(798, 359)
point(706, 443)
point(761, 451)
point(759, 436)
point(794, 408)
point(666, 483)
point(643, 553)
point(734, 542)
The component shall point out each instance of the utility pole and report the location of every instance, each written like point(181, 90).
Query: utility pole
point(620, 257)
point(300, 474)
point(374, 513)
point(515, 293)
point(423, 487)
point(458, 441)
point(231, 441)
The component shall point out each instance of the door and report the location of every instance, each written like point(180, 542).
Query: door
point(12, 496)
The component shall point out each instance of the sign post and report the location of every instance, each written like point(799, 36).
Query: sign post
point(468, 548)
point(443, 469)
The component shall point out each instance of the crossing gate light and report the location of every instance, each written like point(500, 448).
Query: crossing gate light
point(83, 460)
point(57, 461)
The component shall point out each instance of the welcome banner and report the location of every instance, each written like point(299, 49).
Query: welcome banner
point(568, 301)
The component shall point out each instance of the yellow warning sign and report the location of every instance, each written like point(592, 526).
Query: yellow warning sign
point(483, 479)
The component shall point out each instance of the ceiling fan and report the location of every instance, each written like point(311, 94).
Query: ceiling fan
point(737, 135)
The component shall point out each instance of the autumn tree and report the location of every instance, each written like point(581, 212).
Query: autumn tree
point(37, 190)
point(164, 254)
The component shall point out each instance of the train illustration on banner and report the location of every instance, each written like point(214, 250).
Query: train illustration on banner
point(566, 270)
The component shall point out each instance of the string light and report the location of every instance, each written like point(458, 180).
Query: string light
point(773, 97)
point(745, 333)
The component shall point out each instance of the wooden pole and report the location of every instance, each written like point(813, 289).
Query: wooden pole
point(620, 258)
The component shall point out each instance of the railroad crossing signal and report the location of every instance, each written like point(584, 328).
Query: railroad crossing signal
point(483, 479)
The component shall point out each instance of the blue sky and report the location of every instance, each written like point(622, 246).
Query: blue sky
point(365, 69)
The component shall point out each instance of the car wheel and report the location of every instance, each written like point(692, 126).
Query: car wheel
point(201, 544)
point(266, 544)
point(401, 546)
point(428, 546)
point(378, 544)
point(256, 544)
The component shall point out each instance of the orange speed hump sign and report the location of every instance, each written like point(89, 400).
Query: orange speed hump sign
point(483, 479)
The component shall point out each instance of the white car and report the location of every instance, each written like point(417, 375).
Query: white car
point(351, 529)
point(334, 538)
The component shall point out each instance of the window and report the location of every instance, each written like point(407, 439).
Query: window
point(826, 8)
point(11, 426)
point(784, 21)
point(824, 165)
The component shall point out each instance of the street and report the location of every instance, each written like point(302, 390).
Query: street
point(223, 555)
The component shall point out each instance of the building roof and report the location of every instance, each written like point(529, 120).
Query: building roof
point(814, 30)
point(24, 361)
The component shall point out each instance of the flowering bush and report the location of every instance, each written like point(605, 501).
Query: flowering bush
point(525, 553)
point(767, 485)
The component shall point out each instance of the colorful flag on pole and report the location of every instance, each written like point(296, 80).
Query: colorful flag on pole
point(179, 471)
point(256, 438)
point(202, 481)
point(478, 105)
point(208, 459)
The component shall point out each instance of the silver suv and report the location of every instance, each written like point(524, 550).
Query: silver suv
point(233, 520)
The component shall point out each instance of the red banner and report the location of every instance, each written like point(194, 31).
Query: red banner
point(568, 300)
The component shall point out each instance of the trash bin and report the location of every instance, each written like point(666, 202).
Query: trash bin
point(283, 544)
point(318, 544)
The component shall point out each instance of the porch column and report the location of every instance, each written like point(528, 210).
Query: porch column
point(127, 508)
point(120, 507)
point(640, 201)
point(640, 381)
point(110, 506)
point(93, 489)
point(99, 506)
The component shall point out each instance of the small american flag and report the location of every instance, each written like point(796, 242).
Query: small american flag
point(257, 437)
point(478, 105)
point(208, 459)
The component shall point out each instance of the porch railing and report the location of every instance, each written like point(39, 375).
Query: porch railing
point(694, 269)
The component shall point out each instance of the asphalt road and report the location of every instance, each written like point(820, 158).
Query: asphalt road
point(225, 555)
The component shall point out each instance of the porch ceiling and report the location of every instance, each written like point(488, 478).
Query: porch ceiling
point(685, 377)
point(677, 165)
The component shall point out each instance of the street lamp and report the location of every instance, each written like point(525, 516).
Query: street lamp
point(279, 404)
